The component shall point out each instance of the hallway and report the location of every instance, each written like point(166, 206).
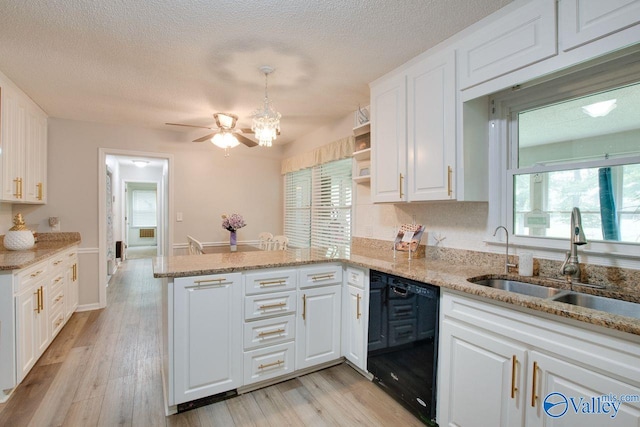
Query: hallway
point(104, 369)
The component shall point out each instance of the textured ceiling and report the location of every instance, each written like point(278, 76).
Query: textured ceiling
point(147, 62)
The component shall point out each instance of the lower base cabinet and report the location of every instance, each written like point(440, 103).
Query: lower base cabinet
point(318, 326)
point(207, 335)
point(502, 367)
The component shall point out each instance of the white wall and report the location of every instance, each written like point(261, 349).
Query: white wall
point(205, 185)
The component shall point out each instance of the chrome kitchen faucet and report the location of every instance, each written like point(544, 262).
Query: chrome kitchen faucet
point(571, 266)
point(506, 260)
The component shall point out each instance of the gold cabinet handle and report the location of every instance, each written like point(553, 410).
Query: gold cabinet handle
point(534, 396)
point(58, 279)
point(268, 306)
point(267, 333)
point(273, 282)
point(401, 181)
point(57, 262)
point(36, 274)
point(202, 282)
point(268, 365)
point(358, 314)
point(41, 298)
point(304, 307)
point(21, 188)
point(75, 272)
point(40, 191)
point(322, 277)
point(449, 174)
point(514, 364)
point(37, 294)
point(16, 194)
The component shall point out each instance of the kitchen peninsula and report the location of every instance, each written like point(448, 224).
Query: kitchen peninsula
point(232, 285)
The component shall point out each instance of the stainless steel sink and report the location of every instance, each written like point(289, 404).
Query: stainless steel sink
point(610, 305)
point(519, 287)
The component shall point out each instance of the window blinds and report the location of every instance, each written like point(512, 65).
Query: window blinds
point(143, 208)
point(318, 206)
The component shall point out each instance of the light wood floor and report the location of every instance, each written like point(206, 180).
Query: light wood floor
point(104, 369)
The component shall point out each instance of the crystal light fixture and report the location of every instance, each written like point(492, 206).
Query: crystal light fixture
point(266, 120)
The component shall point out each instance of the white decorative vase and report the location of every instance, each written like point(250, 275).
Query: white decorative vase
point(19, 237)
point(18, 240)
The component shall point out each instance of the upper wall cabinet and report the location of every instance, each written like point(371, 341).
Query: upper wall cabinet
point(583, 21)
point(520, 38)
point(413, 132)
point(23, 144)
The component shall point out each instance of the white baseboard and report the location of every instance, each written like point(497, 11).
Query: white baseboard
point(89, 307)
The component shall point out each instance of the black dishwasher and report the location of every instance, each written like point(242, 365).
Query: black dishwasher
point(403, 341)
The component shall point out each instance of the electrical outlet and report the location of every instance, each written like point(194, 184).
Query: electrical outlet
point(179, 216)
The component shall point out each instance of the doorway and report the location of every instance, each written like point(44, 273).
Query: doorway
point(144, 229)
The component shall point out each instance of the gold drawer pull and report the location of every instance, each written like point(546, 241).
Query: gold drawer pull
point(71, 254)
point(200, 282)
point(60, 320)
point(322, 277)
point(36, 274)
point(268, 306)
point(273, 282)
point(57, 279)
point(267, 333)
point(269, 365)
point(57, 262)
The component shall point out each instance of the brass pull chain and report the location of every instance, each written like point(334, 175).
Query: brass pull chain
point(358, 314)
point(514, 363)
point(449, 173)
point(268, 365)
point(267, 333)
point(534, 396)
point(401, 181)
point(304, 307)
point(268, 306)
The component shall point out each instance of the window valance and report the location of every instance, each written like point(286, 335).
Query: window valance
point(335, 150)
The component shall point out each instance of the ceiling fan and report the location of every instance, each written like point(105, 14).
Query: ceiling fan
point(226, 125)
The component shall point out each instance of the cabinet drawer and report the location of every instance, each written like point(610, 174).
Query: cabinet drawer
point(270, 362)
point(31, 275)
point(58, 260)
point(57, 281)
point(56, 299)
point(57, 322)
point(263, 305)
point(319, 275)
point(269, 281)
point(355, 277)
point(269, 331)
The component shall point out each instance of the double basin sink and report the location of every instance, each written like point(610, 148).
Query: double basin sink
point(609, 305)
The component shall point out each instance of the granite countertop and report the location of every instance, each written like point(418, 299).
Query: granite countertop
point(48, 244)
point(442, 273)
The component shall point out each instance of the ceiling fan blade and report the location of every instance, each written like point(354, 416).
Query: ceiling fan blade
point(190, 126)
point(248, 130)
point(204, 138)
point(246, 141)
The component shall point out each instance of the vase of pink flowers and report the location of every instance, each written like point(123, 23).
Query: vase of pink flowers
point(232, 223)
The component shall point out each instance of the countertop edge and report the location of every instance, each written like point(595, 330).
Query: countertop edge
point(41, 255)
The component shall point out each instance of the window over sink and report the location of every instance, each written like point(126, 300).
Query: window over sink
point(573, 141)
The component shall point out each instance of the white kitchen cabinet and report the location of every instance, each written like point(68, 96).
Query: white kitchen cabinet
point(318, 325)
point(503, 367)
point(23, 140)
point(207, 349)
point(413, 132)
point(389, 139)
point(522, 37)
point(431, 128)
point(355, 316)
point(478, 372)
point(583, 21)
